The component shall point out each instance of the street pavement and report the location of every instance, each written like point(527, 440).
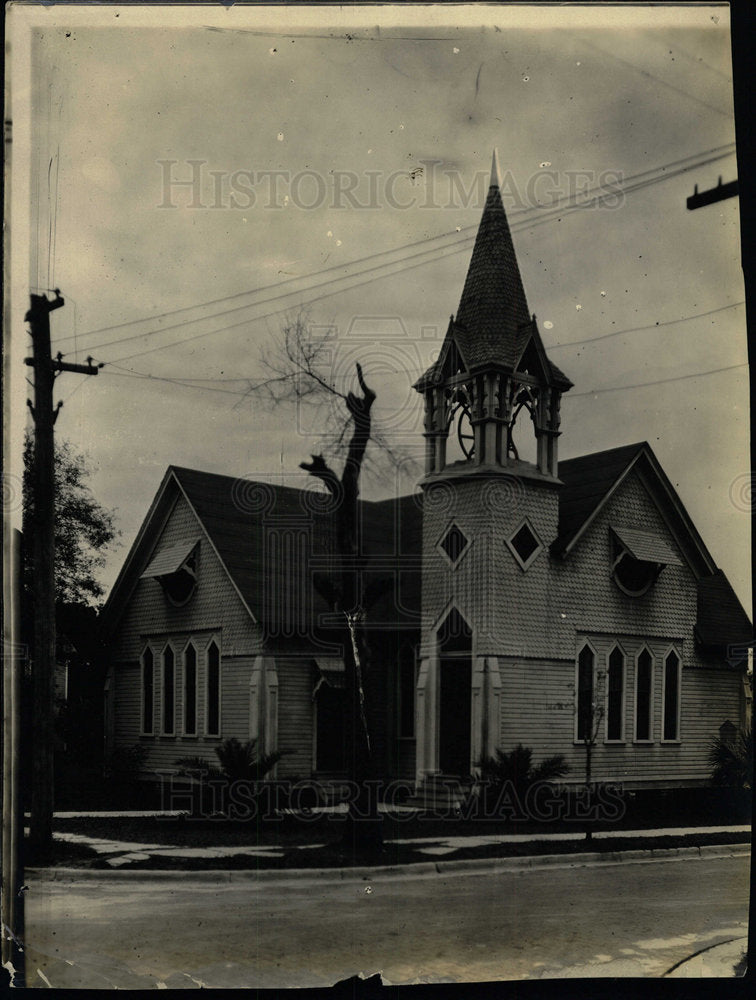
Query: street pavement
point(559, 919)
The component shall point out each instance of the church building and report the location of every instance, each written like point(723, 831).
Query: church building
point(531, 601)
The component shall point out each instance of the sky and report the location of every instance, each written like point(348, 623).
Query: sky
point(337, 160)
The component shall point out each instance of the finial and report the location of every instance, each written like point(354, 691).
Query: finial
point(495, 174)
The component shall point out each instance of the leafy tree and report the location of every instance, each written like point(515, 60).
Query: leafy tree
point(84, 529)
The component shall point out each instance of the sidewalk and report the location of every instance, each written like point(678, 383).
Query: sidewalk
point(120, 854)
point(718, 961)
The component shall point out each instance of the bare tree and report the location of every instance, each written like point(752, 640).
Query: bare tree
point(297, 370)
point(592, 712)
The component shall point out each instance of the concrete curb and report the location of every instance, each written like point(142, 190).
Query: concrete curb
point(420, 868)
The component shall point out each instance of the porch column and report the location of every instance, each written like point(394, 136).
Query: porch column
point(270, 709)
point(256, 701)
point(492, 706)
point(426, 720)
point(109, 709)
point(477, 709)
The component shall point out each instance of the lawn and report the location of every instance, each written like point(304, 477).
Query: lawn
point(322, 847)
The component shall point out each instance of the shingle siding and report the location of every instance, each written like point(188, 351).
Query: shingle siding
point(535, 620)
point(214, 612)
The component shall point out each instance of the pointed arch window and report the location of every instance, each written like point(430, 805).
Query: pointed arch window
point(644, 679)
point(190, 690)
point(213, 691)
point(148, 692)
point(671, 701)
point(585, 682)
point(169, 691)
point(615, 696)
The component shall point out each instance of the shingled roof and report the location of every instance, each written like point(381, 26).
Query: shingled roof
point(587, 482)
point(493, 323)
point(722, 623)
point(237, 512)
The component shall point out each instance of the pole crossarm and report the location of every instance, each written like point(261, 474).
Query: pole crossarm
point(719, 193)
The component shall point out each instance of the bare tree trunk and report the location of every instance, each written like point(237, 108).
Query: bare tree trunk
point(588, 752)
point(363, 826)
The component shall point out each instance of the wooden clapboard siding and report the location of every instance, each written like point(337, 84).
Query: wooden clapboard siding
point(214, 612)
point(537, 710)
point(236, 675)
point(295, 715)
point(127, 702)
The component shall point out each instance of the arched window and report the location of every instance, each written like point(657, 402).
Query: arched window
point(213, 691)
point(169, 691)
point(148, 692)
point(644, 676)
point(585, 669)
point(615, 695)
point(671, 710)
point(190, 690)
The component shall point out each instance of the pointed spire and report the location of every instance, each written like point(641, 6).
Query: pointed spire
point(495, 172)
point(493, 309)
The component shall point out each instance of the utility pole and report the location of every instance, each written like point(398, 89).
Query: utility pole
point(718, 193)
point(43, 666)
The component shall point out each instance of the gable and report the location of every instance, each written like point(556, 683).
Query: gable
point(213, 605)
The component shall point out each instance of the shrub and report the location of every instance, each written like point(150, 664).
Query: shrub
point(237, 762)
point(731, 759)
point(514, 772)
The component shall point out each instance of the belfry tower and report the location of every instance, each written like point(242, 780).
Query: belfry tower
point(492, 365)
point(489, 513)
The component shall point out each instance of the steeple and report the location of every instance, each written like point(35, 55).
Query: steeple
point(493, 309)
point(492, 364)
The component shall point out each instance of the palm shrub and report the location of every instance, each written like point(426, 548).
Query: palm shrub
point(237, 762)
point(731, 759)
point(506, 777)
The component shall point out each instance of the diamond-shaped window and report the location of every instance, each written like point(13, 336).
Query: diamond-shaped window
point(525, 545)
point(454, 543)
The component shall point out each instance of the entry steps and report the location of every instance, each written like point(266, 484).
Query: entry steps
point(441, 793)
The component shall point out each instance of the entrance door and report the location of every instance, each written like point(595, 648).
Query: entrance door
point(330, 749)
point(456, 703)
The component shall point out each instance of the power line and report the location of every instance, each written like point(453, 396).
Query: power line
point(552, 347)
point(402, 265)
point(651, 326)
point(144, 376)
point(659, 381)
point(720, 151)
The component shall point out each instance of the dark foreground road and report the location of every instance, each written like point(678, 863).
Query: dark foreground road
point(624, 919)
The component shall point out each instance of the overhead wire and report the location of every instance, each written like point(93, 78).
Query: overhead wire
point(401, 264)
point(719, 152)
point(144, 376)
